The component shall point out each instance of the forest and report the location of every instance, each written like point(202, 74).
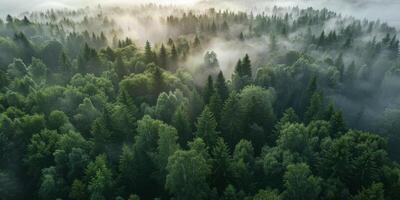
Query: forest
point(165, 102)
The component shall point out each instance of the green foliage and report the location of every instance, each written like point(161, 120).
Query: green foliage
point(88, 114)
point(206, 127)
point(187, 173)
point(300, 183)
point(354, 158)
point(231, 120)
point(374, 192)
point(267, 195)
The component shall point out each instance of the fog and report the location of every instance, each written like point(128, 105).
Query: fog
point(385, 10)
point(19, 6)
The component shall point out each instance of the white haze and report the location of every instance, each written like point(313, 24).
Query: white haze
point(385, 10)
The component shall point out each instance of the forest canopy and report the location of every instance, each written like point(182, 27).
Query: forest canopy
point(164, 102)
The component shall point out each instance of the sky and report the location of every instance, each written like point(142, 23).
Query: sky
point(385, 10)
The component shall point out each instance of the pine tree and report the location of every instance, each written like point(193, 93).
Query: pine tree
point(246, 65)
point(170, 42)
point(315, 109)
point(351, 73)
point(340, 66)
point(158, 81)
point(222, 170)
point(163, 57)
point(120, 68)
point(148, 54)
point(65, 63)
point(215, 106)
point(195, 106)
point(213, 28)
point(225, 26)
point(209, 90)
point(221, 87)
point(231, 120)
point(182, 125)
point(174, 58)
point(206, 127)
point(241, 36)
point(273, 43)
point(239, 68)
point(338, 126)
point(196, 43)
point(321, 40)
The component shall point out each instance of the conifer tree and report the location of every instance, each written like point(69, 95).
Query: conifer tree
point(221, 87)
point(148, 54)
point(206, 127)
point(163, 57)
point(209, 90)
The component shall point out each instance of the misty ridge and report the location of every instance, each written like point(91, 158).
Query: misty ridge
point(202, 99)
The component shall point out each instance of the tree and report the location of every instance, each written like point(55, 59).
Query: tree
point(9, 19)
point(289, 116)
point(230, 193)
point(222, 171)
point(195, 106)
point(173, 58)
point(215, 106)
point(40, 151)
point(86, 115)
point(206, 127)
point(315, 109)
point(187, 173)
point(166, 106)
point(321, 40)
point(244, 165)
point(338, 126)
point(273, 44)
point(259, 116)
point(267, 195)
point(243, 74)
point(100, 179)
point(340, 66)
point(163, 57)
point(136, 162)
point(167, 146)
point(120, 68)
point(38, 70)
point(232, 120)
point(241, 36)
point(148, 54)
point(295, 139)
point(158, 81)
point(374, 192)
point(196, 43)
point(182, 124)
point(300, 183)
point(307, 96)
point(353, 158)
point(49, 186)
point(246, 66)
point(221, 87)
point(51, 54)
point(209, 90)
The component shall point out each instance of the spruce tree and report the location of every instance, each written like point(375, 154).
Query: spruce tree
point(148, 54)
point(163, 57)
point(173, 58)
point(246, 65)
point(209, 90)
point(206, 127)
point(221, 87)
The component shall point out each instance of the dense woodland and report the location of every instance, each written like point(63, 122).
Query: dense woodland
point(88, 112)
